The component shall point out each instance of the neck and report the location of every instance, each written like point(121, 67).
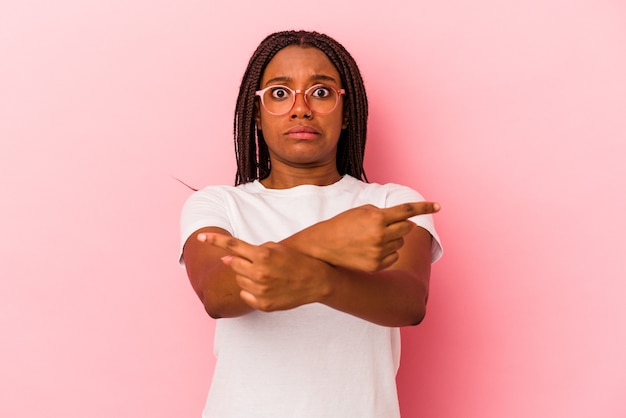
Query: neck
point(286, 179)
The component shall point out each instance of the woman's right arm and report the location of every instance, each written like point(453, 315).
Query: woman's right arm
point(213, 281)
point(363, 239)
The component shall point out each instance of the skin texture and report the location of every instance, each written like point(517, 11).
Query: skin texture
point(301, 161)
point(369, 262)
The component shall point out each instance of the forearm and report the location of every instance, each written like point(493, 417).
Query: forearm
point(391, 298)
point(364, 238)
point(327, 242)
point(219, 293)
point(213, 282)
point(310, 241)
point(278, 276)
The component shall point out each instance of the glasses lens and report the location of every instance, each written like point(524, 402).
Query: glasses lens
point(278, 100)
point(322, 98)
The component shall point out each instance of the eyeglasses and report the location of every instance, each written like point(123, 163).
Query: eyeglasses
point(320, 98)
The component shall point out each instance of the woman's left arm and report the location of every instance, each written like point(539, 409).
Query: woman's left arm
point(395, 296)
point(273, 277)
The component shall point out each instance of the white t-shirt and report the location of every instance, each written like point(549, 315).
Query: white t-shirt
point(311, 361)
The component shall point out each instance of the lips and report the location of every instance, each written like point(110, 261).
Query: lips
point(302, 132)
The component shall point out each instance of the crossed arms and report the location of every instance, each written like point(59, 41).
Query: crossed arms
point(368, 262)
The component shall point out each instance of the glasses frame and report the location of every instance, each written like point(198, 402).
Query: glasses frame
point(261, 93)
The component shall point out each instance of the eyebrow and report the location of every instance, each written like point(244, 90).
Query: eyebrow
point(285, 79)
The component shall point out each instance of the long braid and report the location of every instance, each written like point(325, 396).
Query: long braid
point(350, 156)
point(251, 150)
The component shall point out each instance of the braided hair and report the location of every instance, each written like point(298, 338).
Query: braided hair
point(253, 162)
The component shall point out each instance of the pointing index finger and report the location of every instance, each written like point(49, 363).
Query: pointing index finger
point(405, 211)
point(233, 245)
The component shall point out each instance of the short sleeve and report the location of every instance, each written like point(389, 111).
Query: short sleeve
point(204, 208)
point(398, 194)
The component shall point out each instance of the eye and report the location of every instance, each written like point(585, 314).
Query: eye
point(321, 92)
point(279, 93)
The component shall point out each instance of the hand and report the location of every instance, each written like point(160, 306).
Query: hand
point(271, 276)
point(366, 238)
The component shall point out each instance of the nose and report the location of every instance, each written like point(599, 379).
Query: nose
point(300, 108)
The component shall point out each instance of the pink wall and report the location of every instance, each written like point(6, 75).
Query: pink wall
point(512, 114)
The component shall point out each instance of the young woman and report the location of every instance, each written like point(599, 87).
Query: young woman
point(307, 267)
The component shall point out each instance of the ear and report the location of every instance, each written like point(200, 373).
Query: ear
point(257, 116)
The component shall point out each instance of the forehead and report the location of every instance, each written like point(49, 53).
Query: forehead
point(298, 63)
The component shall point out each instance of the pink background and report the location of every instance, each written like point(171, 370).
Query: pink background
point(511, 114)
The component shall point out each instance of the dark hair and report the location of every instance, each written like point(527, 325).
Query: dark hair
point(252, 154)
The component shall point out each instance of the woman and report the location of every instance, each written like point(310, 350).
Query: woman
point(309, 268)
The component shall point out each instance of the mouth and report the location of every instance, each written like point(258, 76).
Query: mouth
point(302, 132)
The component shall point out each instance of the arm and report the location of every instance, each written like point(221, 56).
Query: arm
point(395, 296)
point(363, 238)
point(275, 277)
point(212, 280)
point(280, 276)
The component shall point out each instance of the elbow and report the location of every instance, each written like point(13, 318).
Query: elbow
point(419, 311)
point(211, 308)
point(418, 316)
point(225, 306)
point(213, 314)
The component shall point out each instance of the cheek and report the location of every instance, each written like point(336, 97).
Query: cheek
point(337, 124)
point(266, 123)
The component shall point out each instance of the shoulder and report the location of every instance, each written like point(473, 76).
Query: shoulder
point(392, 193)
point(220, 192)
point(245, 188)
point(212, 206)
point(402, 192)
